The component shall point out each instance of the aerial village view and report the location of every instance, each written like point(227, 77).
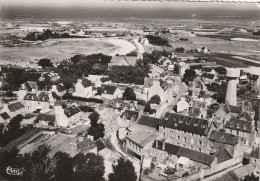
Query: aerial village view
point(141, 91)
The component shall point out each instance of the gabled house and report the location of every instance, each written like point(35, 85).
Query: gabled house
point(209, 78)
point(46, 119)
point(13, 109)
point(83, 88)
point(123, 61)
point(68, 116)
point(27, 87)
point(111, 92)
point(33, 102)
point(58, 89)
point(186, 131)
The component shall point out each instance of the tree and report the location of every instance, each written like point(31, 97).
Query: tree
point(94, 117)
point(129, 94)
point(155, 99)
point(8, 158)
point(179, 50)
point(45, 63)
point(38, 165)
point(64, 168)
point(88, 167)
point(189, 75)
point(124, 170)
point(97, 130)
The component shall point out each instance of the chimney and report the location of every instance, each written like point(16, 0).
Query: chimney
point(163, 144)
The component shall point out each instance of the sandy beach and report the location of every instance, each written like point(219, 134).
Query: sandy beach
point(123, 45)
point(60, 49)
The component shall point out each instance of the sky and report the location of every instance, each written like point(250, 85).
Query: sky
point(130, 4)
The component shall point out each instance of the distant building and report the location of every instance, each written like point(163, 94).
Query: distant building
point(67, 117)
point(186, 131)
point(14, 109)
point(111, 92)
point(28, 87)
point(33, 102)
point(4, 118)
point(83, 88)
point(123, 61)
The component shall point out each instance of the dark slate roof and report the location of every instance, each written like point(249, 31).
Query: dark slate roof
point(225, 177)
point(223, 155)
point(232, 109)
point(86, 83)
point(129, 114)
point(30, 85)
point(243, 171)
point(240, 125)
point(5, 116)
point(43, 97)
point(185, 123)
point(71, 111)
point(169, 148)
point(103, 143)
point(196, 156)
point(148, 121)
point(46, 117)
point(225, 138)
point(109, 89)
point(255, 153)
point(60, 88)
point(86, 145)
point(207, 69)
point(208, 76)
point(33, 97)
point(185, 152)
point(15, 106)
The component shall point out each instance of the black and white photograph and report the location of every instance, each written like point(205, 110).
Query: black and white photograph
point(129, 90)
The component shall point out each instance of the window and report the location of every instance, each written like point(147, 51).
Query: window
point(199, 150)
point(179, 137)
point(200, 142)
point(184, 139)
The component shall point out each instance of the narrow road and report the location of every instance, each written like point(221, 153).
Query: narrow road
point(136, 163)
point(139, 46)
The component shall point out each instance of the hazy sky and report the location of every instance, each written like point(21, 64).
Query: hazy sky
point(129, 4)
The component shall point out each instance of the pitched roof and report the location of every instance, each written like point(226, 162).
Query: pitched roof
point(30, 85)
point(148, 121)
point(255, 153)
point(232, 109)
point(86, 145)
point(223, 155)
point(46, 117)
point(128, 60)
point(129, 114)
point(242, 171)
point(60, 88)
point(185, 152)
point(109, 89)
point(225, 138)
point(33, 97)
point(103, 143)
point(71, 111)
point(196, 156)
point(15, 106)
point(143, 138)
point(240, 125)
point(225, 177)
point(185, 123)
point(208, 76)
point(5, 116)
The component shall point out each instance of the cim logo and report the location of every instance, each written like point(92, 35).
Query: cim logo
point(14, 171)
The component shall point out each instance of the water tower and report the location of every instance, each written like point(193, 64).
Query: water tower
point(232, 77)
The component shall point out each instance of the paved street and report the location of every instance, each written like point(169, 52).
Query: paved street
point(136, 163)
